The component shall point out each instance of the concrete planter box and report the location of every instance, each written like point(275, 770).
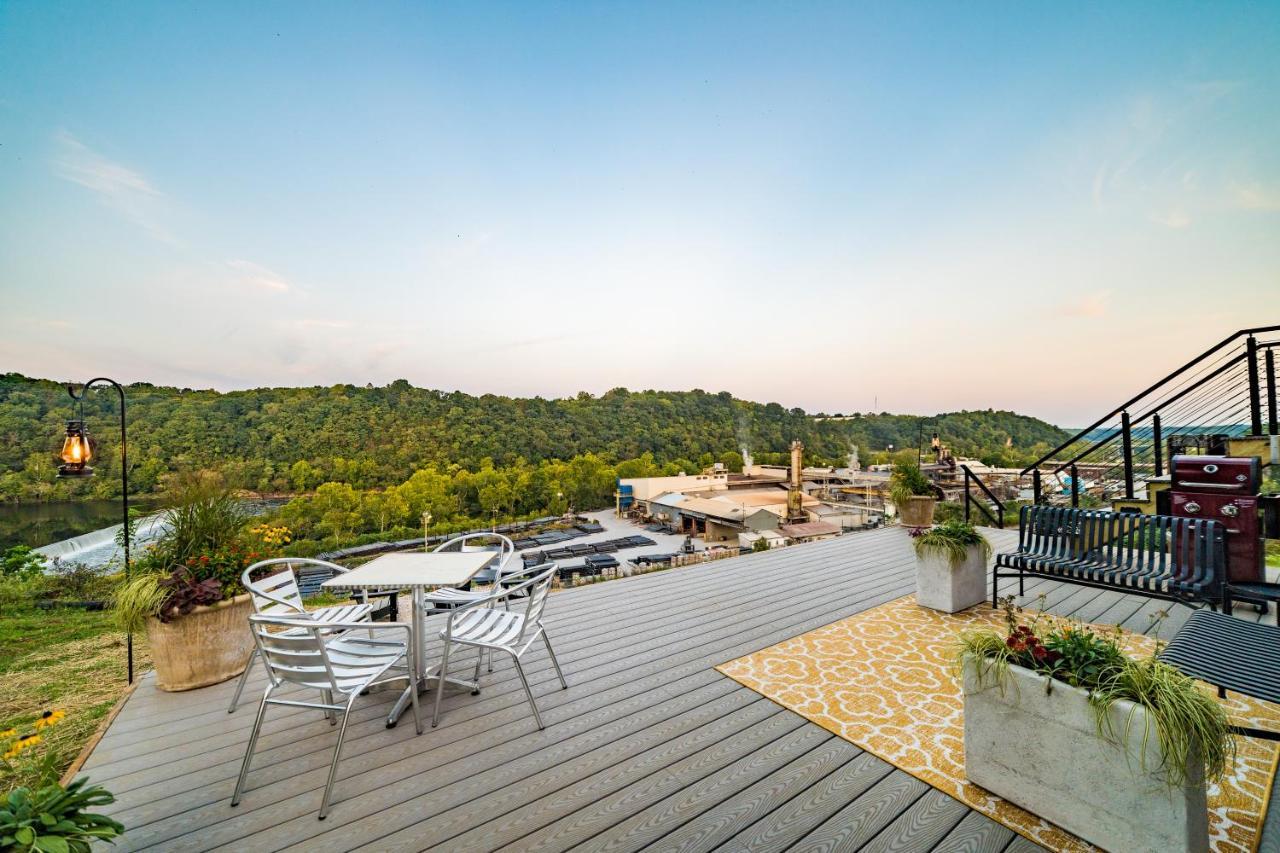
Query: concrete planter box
point(917, 511)
point(949, 587)
point(1044, 753)
point(206, 646)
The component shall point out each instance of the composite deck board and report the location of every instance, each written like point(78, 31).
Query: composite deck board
point(650, 748)
point(977, 833)
point(920, 827)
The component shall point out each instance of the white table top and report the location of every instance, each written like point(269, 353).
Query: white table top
point(414, 568)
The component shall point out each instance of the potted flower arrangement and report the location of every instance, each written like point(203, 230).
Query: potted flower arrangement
point(187, 594)
point(1060, 721)
point(912, 494)
point(951, 566)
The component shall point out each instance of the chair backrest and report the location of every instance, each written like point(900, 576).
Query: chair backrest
point(537, 589)
point(480, 542)
point(294, 650)
point(278, 594)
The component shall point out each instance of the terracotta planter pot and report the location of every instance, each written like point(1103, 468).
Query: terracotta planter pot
point(208, 645)
point(917, 511)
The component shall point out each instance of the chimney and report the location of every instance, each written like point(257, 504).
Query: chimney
point(797, 471)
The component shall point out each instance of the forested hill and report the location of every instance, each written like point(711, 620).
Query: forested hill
point(291, 439)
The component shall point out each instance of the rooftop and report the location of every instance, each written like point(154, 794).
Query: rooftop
point(649, 746)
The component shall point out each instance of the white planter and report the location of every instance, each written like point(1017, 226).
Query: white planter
point(1044, 753)
point(948, 588)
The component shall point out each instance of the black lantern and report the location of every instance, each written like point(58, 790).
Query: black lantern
point(77, 450)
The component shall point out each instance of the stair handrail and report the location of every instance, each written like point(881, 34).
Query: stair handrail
point(1154, 387)
point(969, 475)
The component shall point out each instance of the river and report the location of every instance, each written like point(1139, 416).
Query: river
point(83, 531)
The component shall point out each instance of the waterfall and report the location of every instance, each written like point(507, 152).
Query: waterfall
point(98, 548)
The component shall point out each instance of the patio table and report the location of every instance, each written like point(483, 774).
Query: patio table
point(416, 571)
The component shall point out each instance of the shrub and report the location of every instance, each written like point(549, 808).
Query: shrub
point(21, 562)
point(760, 544)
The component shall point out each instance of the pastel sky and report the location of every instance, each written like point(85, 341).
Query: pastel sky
point(919, 207)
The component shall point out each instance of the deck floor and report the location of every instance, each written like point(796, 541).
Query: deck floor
point(649, 748)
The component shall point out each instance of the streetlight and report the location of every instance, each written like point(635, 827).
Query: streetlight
point(77, 451)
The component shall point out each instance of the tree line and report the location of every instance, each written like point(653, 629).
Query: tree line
point(295, 440)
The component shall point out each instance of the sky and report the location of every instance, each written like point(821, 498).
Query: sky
point(844, 207)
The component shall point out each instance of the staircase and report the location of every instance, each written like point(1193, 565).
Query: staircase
point(1222, 402)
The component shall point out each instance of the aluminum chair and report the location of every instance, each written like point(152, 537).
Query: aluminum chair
point(448, 597)
point(483, 626)
point(301, 652)
point(278, 595)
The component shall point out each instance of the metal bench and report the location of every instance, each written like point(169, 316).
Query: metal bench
point(1230, 654)
point(1157, 556)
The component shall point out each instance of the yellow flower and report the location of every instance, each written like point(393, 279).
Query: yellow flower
point(50, 718)
point(8, 733)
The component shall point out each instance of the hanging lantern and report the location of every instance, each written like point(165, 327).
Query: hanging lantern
point(77, 450)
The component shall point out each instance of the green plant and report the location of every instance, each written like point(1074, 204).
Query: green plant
point(908, 481)
point(952, 540)
point(205, 518)
point(1186, 718)
point(21, 562)
point(54, 819)
point(77, 582)
point(137, 599)
point(760, 544)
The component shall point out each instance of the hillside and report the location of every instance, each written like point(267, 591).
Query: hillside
point(293, 439)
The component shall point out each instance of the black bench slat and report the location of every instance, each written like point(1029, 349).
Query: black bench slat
point(1181, 559)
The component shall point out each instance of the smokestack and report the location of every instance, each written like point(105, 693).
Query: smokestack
point(797, 470)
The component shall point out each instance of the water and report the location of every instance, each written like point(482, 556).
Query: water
point(42, 523)
point(84, 532)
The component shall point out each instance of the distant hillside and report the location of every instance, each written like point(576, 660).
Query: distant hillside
point(291, 439)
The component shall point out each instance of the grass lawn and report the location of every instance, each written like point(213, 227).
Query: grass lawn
point(60, 659)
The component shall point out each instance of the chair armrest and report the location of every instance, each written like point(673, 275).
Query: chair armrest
point(515, 573)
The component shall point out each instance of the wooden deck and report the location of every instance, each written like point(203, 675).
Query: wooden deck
point(648, 748)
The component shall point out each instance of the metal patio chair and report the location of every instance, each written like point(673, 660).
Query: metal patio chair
point(301, 652)
point(278, 595)
point(483, 626)
point(448, 597)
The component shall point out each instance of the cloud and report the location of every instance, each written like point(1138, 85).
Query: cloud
point(322, 324)
point(123, 189)
point(259, 276)
point(1176, 217)
point(1096, 304)
point(1255, 197)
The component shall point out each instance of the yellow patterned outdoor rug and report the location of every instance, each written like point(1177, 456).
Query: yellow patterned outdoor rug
point(883, 680)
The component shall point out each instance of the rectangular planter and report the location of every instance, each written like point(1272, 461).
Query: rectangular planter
point(949, 588)
point(1044, 753)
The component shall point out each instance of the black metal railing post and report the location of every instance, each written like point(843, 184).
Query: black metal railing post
point(1035, 486)
point(966, 494)
point(1273, 420)
point(1126, 442)
point(1157, 444)
point(1075, 487)
point(1255, 391)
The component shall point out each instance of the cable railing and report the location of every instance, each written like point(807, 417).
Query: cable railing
point(1227, 391)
